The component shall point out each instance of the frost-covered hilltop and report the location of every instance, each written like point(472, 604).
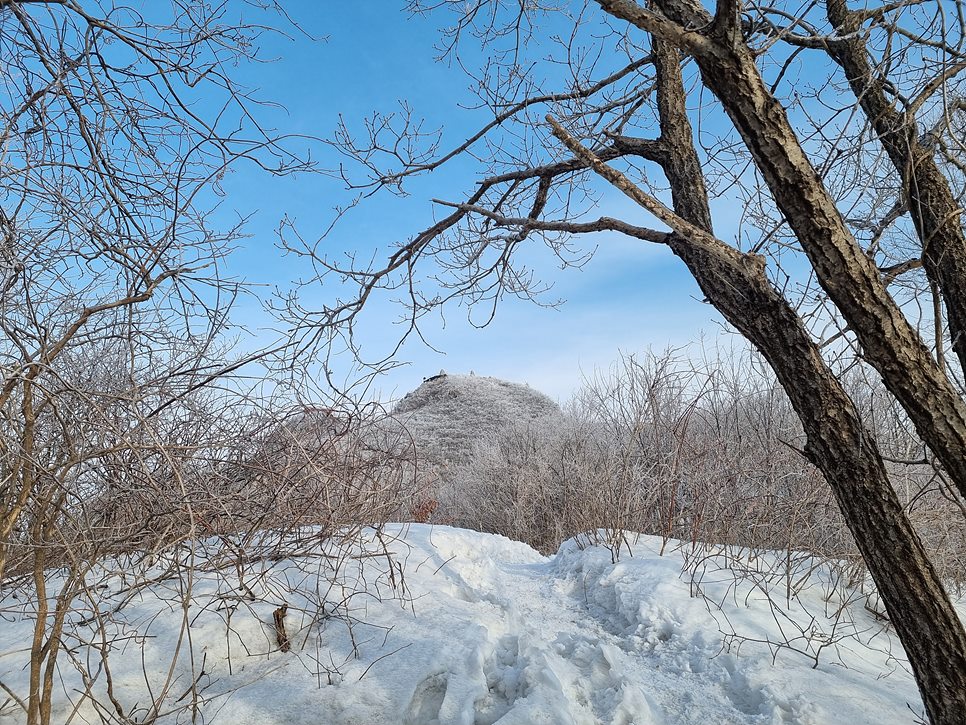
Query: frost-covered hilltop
point(447, 414)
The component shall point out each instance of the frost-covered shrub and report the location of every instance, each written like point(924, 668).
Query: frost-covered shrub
point(707, 451)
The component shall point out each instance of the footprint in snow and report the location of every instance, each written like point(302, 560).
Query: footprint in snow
point(505, 683)
point(601, 683)
point(427, 701)
point(754, 699)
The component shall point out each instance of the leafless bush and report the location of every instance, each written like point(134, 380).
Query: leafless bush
point(702, 450)
point(195, 505)
point(132, 458)
point(316, 466)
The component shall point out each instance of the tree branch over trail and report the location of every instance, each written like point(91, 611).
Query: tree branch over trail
point(838, 444)
point(830, 257)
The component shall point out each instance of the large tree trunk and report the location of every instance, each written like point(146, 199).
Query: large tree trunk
point(837, 442)
point(845, 272)
point(840, 447)
point(926, 192)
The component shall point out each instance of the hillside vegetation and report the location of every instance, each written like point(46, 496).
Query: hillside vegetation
point(699, 448)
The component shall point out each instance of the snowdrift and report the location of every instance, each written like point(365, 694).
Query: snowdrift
point(482, 630)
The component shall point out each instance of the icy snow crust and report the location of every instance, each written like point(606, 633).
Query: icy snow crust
point(492, 632)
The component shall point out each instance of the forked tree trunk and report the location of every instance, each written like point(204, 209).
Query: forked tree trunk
point(849, 277)
point(837, 441)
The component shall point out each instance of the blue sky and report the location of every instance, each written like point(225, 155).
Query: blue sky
point(629, 297)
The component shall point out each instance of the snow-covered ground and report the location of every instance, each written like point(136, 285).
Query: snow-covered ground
point(488, 631)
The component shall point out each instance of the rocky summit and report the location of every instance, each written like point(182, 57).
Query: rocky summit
point(448, 413)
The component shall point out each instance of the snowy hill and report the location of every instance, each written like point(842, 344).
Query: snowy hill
point(485, 631)
point(448, 413)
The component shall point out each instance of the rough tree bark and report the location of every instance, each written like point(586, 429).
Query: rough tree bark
point(838, 444)
point(926, 192)
point(845, 272)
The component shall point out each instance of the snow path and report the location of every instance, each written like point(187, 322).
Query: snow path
point(576, 639)
point(542, 640)
point(493, 633)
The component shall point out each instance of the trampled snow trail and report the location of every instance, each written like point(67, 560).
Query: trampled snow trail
point(493, 633)
point(544, 658)
point(577, 639)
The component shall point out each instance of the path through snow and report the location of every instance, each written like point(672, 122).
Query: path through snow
point(577, 639)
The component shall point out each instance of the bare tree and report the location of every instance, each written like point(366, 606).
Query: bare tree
point(107, 249)
point(117, 122)
point(850, 175)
